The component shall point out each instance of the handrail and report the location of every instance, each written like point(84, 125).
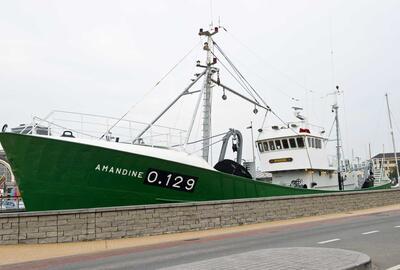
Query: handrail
point(90, 125)
point(54, 124)
point(110, 117)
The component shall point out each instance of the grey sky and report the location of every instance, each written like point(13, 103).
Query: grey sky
point(103, 56)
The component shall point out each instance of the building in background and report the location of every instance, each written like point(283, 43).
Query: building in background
point(8, 186)
point(384, 165)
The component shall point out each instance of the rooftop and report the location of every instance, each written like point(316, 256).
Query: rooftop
point(387, 155)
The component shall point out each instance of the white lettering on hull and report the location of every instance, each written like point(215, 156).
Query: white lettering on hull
point(117, 170)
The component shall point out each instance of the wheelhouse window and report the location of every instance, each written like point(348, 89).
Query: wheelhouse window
point(285, 144)
point(318, 143)
point(314, 142)
point(292, 143)
point(278, 144)
point(265, 144)
point(300, 142)
point(271, 145)
point(260, 147)
point(288, 143)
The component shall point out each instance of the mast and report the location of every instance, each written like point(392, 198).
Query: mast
point(335, 107)
point(391, 133)
point(207, 97)
point(206, 133)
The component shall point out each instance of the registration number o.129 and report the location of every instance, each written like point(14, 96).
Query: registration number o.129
point(170, 180)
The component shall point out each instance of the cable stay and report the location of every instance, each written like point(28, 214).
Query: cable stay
point(251, 87)
point(262, 60)
point(211, 75)
point(151, 89)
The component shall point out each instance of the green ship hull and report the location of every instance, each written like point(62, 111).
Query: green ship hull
point(57, 174)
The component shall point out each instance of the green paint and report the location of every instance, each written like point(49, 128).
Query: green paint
point(53, 174)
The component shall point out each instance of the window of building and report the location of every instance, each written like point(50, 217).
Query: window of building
point(266, 148)
point(300, 142)
point(313, 142)
point(292, 143)
point(278, 144)
point(271, 145)
point(285, 144)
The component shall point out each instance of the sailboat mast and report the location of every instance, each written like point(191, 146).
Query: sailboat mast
point(391, 133)
point(336, 109)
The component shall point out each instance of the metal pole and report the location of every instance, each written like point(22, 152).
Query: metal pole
point(383, 160)
point(240, 95)
point(336, 108)
point(369, 151)
point(252, 142)
point(371, 165)
point(391, 133)
point(252, 146)
point(194, 114)
point(169, 106)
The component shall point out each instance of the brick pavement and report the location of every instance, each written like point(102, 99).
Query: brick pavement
point(295, 258)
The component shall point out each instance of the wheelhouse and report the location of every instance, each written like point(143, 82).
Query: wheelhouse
point(289, 143)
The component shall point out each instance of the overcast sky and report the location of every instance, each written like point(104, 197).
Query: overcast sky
point(103, 57)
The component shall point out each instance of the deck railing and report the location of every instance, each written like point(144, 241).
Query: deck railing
point(84, 125)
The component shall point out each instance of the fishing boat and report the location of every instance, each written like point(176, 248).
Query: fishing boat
point(66, 171)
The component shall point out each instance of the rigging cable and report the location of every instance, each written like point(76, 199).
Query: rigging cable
point(152, 88)
point(242, 78)
point(263, 122)
point(330, 131)
point(254, 91)
point(346, 130)
point(378, 129)
point(208, 146)
point(236, 79)
point(258, 95)
point(199, 140)
point(395, 123)
point(178, 118)
point(289, 78)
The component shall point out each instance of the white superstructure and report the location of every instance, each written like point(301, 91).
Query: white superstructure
point(296, 155)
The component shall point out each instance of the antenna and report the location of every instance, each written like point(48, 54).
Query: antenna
point(332, 56)
point(211, 13)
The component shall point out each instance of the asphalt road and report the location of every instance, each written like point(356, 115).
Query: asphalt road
point(377, 235)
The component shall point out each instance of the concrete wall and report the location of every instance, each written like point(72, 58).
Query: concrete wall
point(134, 221)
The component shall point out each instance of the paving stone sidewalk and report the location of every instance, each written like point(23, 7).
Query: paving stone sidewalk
point(295, 258)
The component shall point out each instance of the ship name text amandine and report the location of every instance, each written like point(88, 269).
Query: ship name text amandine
point(117, 170)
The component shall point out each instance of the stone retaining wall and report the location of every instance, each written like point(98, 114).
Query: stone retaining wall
point(135, 221)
